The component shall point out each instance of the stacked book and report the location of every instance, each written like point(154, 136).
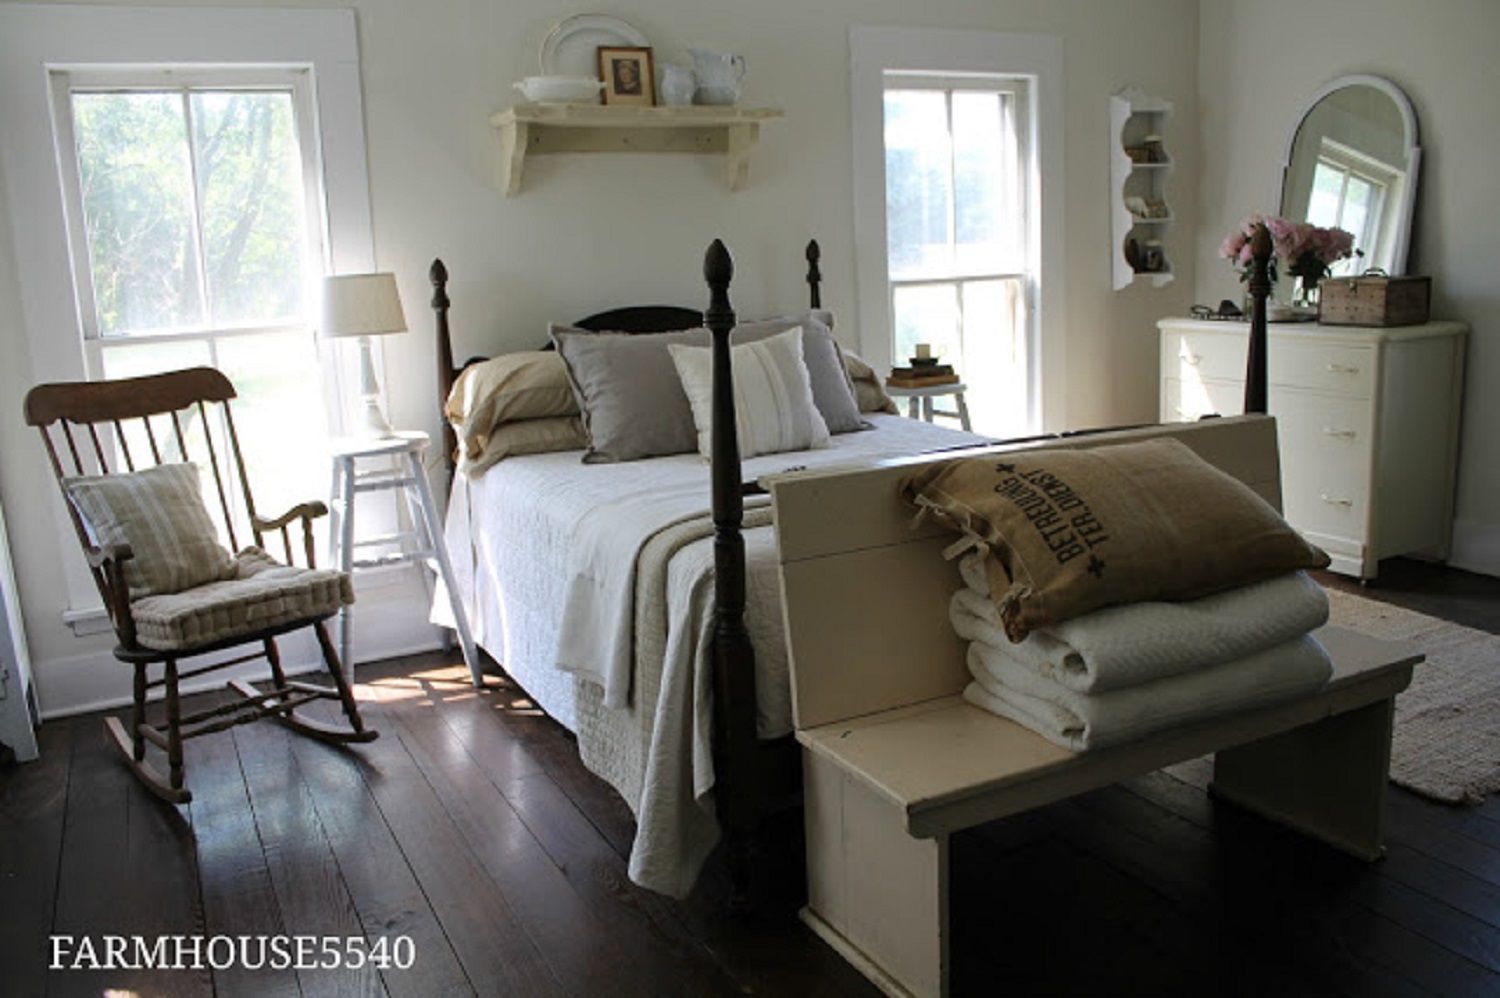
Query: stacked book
point(920, 375)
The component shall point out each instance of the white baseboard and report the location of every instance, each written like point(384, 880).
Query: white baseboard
point(390, 626)
point(1476, 547)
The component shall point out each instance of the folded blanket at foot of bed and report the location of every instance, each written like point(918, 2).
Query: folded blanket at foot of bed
point(1081, 721)
point(1142, 642)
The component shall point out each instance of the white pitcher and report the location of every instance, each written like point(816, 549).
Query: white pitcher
point(678, 84)
point(719, 76)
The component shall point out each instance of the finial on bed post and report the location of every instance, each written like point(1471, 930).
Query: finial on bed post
point(733, 656)
point(438, 275)
point(814, 275)
point(1259, 287)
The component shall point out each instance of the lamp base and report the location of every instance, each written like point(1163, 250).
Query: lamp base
point(371, 422)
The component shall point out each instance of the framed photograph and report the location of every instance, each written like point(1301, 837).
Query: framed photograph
point(628, 75)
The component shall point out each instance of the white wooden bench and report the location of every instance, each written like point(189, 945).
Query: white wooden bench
point(895, 760)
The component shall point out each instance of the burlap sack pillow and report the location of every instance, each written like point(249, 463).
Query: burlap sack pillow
point(1072, 531)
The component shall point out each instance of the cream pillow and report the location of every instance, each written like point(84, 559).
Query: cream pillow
point(773, 400)
point(526, 436)
point(159, 512)
point(529, 385)
point(869, 392)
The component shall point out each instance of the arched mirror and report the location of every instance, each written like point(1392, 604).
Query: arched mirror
point(1351, 162)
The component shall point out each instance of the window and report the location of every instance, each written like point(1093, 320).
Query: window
point(958, 235)
point(1350, 190)
point(196, 234)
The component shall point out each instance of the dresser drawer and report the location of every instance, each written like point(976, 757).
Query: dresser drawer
point(1327, 450)
point(1321, 367)
point(1186, 401)
point(1189, 355)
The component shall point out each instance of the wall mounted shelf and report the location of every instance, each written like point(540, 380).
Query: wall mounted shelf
point(542, 129)
point(1136, 122)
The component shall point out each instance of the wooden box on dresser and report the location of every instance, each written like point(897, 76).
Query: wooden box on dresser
point(1367, 420)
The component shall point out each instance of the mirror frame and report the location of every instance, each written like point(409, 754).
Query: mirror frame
point(1408, 203)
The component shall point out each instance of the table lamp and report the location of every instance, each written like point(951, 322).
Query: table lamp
point(364, 305)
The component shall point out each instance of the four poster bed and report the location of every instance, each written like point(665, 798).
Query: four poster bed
point(717, 715)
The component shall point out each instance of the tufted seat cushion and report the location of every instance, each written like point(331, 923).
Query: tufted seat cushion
point(260, 593)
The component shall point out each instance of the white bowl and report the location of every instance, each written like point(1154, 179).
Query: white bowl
point(561, 89)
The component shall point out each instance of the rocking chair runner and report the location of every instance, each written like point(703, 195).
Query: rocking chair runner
point(94, 409)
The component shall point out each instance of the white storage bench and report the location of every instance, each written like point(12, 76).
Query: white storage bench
point(895, 760)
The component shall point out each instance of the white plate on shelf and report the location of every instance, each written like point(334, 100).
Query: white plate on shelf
point(571, 48)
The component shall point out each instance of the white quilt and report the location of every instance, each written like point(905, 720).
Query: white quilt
point(1083, 721)
point(520, 533)
point(1122, 646)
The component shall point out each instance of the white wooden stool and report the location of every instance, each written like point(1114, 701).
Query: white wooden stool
point(429, 550)
point(923, 397)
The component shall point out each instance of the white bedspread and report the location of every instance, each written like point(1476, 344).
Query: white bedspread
point(512, 535)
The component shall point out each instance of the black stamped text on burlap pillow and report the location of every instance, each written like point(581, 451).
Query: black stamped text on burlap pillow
point(1071, 531)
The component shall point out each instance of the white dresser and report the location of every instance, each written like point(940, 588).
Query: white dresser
point(1367, 419)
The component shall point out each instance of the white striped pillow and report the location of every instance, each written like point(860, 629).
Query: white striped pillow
point(159, 512)
point(773, 400)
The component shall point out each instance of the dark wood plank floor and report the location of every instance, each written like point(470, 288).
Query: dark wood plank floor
point(472, 828)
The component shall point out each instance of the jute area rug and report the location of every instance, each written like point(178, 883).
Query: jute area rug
point(1447, 740)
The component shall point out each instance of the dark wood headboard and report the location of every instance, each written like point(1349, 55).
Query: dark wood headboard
point(627, 319)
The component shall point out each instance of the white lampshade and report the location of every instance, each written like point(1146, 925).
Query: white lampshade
point(361, 305)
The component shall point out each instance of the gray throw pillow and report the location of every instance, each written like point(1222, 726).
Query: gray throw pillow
point(628, 391)
point(833, 391)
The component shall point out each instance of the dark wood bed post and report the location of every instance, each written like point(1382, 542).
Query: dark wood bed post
point(814, 275)
point(1259, 287)
point(438, 275)
point(733, 657)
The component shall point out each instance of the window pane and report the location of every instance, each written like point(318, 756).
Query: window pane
point(137, 209)
point(1327, 192)
point(990, 230)
point(134, 360)
point(996, 366)
point(927, 313)
point(918, 182)
point(278, 415)
point(251, 199)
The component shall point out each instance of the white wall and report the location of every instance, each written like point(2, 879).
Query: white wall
point(434, 71)
point(1258, 65)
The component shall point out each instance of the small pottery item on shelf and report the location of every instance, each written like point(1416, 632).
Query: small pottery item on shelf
point(720, 76)
point(678, 84)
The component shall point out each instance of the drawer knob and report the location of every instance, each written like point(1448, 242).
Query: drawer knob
point(1331, 432)
point(1334, 501)
point(1342, 369)
point(1191, 359)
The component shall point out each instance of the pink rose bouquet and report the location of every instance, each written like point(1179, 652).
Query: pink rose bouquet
point(1304, 250)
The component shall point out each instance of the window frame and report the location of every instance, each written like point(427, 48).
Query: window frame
point(1017, 88)
point(37, 38)
point(947, 53)
point(1384, 182)
point(294, 80)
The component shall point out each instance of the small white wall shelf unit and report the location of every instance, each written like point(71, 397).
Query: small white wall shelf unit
point(539, 129)
point(1140, 165)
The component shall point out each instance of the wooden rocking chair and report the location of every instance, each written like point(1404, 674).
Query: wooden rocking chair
point(84, 414)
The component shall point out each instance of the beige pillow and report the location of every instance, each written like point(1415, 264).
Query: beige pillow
point(1070, 531)
point(773, 400)
point(512, 387)
point(869, 391)
point(159, 512)
point(526, 436)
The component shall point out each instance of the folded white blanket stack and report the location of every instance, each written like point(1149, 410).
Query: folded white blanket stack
point(1126, 672)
